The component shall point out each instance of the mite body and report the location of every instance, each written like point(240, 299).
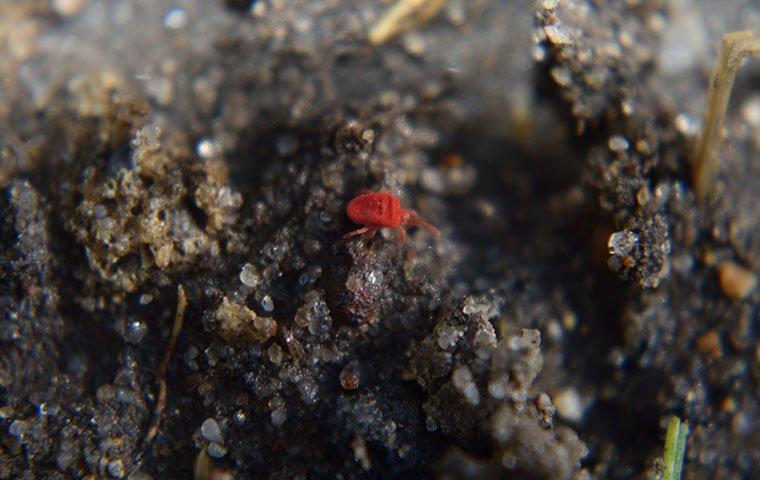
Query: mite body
point(382, 210)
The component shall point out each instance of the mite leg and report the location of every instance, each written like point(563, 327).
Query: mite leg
point(370, 233)
point(413, 219)
point(366, 233)
point(400, 236)
point(735, 46)
point(360, 231)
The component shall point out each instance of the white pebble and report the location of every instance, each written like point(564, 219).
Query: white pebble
point(215, 450)
point(622, 242)
point(175, 19)
point(210, 431)
point(248, 276)
point(569, 405)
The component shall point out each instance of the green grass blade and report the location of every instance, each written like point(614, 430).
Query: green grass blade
point(675, 445)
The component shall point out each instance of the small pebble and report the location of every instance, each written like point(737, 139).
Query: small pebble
point(17, 427)
point(497, 389)
point(350, 376)
point(68, 8)
point(557, 35)
point(116, 468)
point(135, 331)
point(618, 143)
point(275, 354)
point(430, 424)
point(216, 450)
point(736, 281)
point(278, 417)
point(267, 303)
point(320, 324)
point(211, 431)
point(461, 377)
point(569, 405)
point(175, 19)
point(207, 148)
point(353, 283)
point(621, 243)
point(709, 345)
point(248, 276)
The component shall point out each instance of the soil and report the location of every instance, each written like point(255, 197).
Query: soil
point(578, 297)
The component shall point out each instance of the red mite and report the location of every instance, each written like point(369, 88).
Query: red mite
point(382, 210)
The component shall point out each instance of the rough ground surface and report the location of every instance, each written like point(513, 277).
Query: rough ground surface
point(579, 295)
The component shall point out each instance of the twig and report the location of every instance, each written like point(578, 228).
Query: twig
point(160, 405)
point(735, 45)
point(402, 16)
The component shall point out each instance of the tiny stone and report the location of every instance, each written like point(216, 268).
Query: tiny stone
point(471, 394)
point(302, 318)
point(620, 243)
point(175, 19)
point(743, 424)
point(216, 450)
point(433, 180)
point(375, 278)
point(46, 409)
point(618, 143)
point(135, 331)
point(116, 468)
point(308, 390)
point(709, 345)
point(448, 337)
point(320, 308)
point(430, 424)
point(210, 431)
point(311, 298)
point(68, 8)
point(751, 111)
point(352, 283)
point(554, 330)
point(349, 376)
point(267, 303)
point(556, 35)
point(278, 417)
point(100, 211)
point(736, 281)
point(549, 4)
point(207, 148)
point(497, 389)
point(275, 354)
point(248, 276)
point(569, 405)
point(685, 125)
point(643, 196)
point(683, 263)
point(461, 377)
point(17, 428)
point(320, 324)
